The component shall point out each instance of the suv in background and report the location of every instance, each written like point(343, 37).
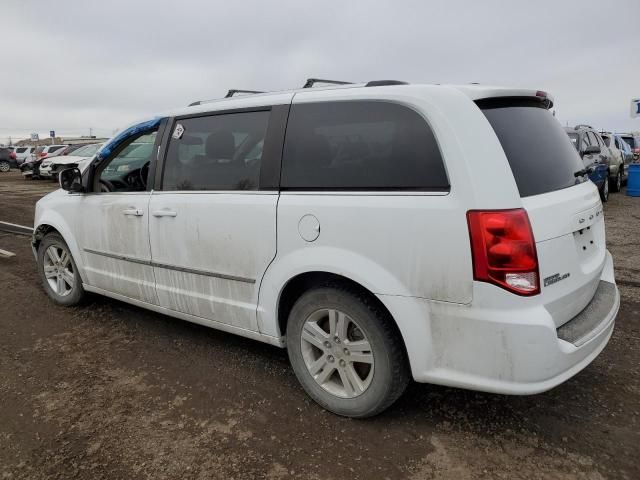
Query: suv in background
point(447, 234)
point(595, 156)
point(23, 154)
point(618, 165)
point(634, 142)
point(7, 159)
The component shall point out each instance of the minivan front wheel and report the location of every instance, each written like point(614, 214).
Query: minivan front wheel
point(58, 271)
point(346, 352)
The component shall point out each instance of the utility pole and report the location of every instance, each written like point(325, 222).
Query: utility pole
point(90, 132)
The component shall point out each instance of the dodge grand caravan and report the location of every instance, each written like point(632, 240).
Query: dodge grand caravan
point(380, 232)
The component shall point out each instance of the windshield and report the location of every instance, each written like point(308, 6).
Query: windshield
point(574, 139)
point(537, 147)
point(87, 150)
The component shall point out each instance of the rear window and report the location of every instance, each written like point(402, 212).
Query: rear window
point(539, 151)
point(21, 150)
point(360, 145)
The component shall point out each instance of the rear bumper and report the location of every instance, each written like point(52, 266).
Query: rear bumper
point(517, 351)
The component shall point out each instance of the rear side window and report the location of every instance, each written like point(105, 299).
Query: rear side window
point(360, 145)
point(539, 151)
point(216, 152)
point(55, 149)
point(21, 150)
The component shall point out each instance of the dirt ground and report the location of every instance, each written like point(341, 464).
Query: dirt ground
point(107, 390)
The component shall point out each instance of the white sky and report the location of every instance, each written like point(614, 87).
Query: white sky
point(72, 65)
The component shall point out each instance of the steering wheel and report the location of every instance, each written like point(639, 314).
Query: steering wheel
point(144, 174)
point(106, 186)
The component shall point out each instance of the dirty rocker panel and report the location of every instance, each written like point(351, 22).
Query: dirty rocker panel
point(170, 267)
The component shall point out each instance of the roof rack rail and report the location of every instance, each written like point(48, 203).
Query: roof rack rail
point(382, 83)
point(229, 94)
point(233, 91)
point(312, 81)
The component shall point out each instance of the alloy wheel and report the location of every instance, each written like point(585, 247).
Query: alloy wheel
point(58, 270)
point(4, 167)
point(337, 353)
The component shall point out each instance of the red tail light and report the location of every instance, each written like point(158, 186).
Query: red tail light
point(504, 250)
point(636, 150)
point(12, 155)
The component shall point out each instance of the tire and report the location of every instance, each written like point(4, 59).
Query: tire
point(4, 166)
point(616, 185)
point(367, 333)
point(604, 191)
point(66, 278)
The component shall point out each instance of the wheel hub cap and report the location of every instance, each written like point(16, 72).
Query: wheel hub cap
point(337, 353)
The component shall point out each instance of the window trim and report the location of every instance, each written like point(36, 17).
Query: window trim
point(445, 190)
point(271, 152)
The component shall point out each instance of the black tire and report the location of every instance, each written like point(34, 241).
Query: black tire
point(76, 293)
point(390, 374)
point(604, 191)
point(4, 166)
point(616, 184)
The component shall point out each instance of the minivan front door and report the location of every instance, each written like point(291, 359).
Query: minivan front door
point(213, 224)
point(114, 231)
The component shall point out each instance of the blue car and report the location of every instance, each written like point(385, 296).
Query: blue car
point(595, 155)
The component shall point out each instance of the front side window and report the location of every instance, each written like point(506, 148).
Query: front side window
point(127, 171)
point(216, 152)
point(360, 145)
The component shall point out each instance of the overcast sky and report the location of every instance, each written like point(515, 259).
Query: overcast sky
point(72, 65)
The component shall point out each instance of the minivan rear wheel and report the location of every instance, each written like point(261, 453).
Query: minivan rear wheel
point(58, 271)
point(346, 352)
point(5, 166)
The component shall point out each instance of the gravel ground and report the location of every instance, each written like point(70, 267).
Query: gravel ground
point(107, 390)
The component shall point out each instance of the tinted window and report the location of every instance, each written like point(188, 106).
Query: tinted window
point(607, 140)
point(538, 149)
point(21, 150)
point(216, 152)
point(55, 149)
point(586, 141)
point(360, 146)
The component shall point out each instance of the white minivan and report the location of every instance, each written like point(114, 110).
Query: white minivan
point(380, 232)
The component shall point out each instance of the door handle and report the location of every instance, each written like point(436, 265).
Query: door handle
point(133, 211)
point(165, 213)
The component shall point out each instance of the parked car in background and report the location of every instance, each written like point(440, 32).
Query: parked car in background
point(634, 142)
point(617, 166)
point(23, 154)
point(442, 233)
point(61, 162)
point(627, 151)
point(72, 148)
point(7, 159)
point(48, 151)
point(595, 156)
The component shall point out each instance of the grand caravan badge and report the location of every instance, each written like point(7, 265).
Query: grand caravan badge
point(555, 278)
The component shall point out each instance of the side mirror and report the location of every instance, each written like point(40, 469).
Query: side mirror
point(71, 180)
point(591, 149)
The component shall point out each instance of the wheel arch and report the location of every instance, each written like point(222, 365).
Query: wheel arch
point(49, 224)
point(409, 316)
